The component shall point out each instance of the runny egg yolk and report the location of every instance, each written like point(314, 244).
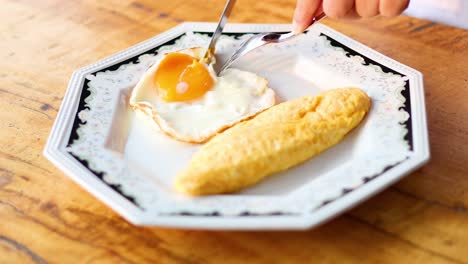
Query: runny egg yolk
point(180, 77)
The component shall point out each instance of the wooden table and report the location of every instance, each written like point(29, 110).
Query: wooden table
point(46, 218)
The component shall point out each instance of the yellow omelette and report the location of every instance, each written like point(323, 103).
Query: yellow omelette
point(277, 139)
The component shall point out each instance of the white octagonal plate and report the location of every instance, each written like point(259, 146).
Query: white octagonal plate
point(127, 163)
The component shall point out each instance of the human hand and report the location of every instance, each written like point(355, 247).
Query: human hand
point(306, 10)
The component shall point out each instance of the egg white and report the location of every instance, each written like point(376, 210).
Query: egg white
point(236, 95)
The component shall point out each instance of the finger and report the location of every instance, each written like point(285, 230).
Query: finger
point(304, 13)
point(392, 7)
point(338, 8)
point(367, 8)
point(351, 15)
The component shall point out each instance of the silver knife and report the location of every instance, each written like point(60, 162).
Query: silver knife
point(219, 29)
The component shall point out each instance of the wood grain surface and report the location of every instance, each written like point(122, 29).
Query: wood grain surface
point(47, 218)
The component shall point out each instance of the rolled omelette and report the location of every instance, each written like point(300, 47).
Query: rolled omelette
point(279, 138)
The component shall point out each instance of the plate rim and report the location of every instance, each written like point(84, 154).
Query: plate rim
point(55, 151)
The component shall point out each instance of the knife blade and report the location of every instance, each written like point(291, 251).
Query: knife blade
point(219, 29)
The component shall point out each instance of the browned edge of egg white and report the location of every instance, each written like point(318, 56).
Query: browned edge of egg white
point(145, 109)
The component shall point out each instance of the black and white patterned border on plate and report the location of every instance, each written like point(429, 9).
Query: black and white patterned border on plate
point(82, 106)
point(117, 188)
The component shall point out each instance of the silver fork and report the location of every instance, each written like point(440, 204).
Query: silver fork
point(260, 40)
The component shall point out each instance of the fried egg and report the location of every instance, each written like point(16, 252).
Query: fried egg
point(190, 103)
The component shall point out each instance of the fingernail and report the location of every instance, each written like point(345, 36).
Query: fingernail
point(296, 29)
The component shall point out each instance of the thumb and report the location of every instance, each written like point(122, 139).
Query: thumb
point(305, 11)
